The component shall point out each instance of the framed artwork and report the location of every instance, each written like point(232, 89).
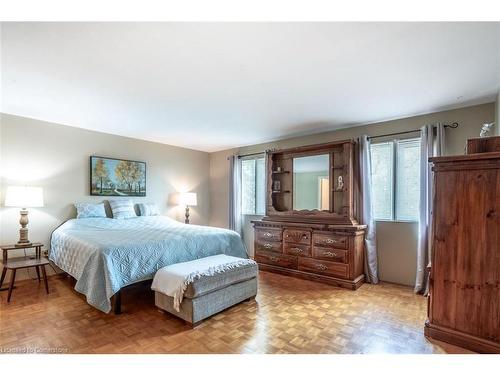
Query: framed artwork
point(117, 177)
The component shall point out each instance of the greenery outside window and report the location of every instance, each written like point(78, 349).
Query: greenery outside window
point(253, 186)
point(396, 179)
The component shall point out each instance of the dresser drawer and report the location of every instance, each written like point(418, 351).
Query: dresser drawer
point(300, 250)
point(323, 267)
point(268, 245)
point(327, 253)
point(265, 234)
point(281, 260)
point(297, 236)
point(331, 240)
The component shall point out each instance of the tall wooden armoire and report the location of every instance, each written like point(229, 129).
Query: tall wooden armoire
point(311, 228)
point(464, 297)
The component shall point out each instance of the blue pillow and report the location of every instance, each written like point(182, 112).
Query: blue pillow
point(148, 209)
point(122, 208)
point(84, 210)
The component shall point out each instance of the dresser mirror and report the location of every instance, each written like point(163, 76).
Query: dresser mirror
point(311, 182)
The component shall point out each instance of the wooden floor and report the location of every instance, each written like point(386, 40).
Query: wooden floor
point(288, 316)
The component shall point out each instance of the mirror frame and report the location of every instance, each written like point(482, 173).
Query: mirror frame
point(347, 151)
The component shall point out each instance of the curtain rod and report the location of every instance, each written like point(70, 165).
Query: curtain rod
point(453, 125)
point(252, 154)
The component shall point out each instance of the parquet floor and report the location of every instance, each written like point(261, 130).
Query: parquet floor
point(288, 316)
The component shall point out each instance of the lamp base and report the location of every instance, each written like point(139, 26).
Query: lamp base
point(23, 231)
point(186, 220)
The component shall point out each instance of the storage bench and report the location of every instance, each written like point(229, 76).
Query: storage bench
point(225, 282)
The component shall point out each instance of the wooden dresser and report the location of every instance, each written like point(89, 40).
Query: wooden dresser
point(486, 144)
point(310, 229)
point(464, 295)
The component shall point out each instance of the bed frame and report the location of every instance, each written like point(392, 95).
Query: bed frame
point(117, 302)
point(116, 299)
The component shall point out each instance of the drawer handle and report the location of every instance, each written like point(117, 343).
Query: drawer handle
point(321, 267)
point(330, 254)
point(304, 236)
point(267, 234)
point(273, 259)
point(268, 246)
point(329, 240)
point(297, 250)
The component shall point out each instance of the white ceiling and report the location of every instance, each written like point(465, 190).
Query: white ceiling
point(212, 86)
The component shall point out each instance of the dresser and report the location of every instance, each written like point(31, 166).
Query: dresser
point(311, 230)
point(464, 288)
point(326, 253)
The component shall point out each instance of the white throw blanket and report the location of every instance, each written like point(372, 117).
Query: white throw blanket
point(173, 280)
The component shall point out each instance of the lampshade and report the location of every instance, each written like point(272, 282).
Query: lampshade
point(188, 199)
point(24, 196)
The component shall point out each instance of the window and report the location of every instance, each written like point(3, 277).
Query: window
point(253, 187)
point(396, 179)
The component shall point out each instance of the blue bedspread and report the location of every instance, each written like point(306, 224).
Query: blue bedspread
point(105, 254)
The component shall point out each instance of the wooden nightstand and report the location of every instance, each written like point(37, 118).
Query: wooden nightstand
point(38, 263)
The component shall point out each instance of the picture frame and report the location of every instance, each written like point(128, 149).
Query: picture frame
point(117, 177)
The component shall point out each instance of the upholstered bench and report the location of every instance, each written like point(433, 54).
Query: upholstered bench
point(198, 289)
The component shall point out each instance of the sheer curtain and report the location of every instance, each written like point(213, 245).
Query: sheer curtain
point(235, 217)
point(371, 258)
point(432, 144)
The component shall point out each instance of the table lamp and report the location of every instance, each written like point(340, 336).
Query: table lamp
point(24, 197)
point(188, 199)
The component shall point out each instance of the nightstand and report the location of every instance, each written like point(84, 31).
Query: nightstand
point(38, 263)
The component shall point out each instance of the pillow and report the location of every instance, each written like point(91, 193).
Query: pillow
point(122, 209)
point(84, 210)
point(148, 209)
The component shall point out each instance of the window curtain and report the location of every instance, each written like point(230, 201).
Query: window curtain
point(235, 217)
point(432, 144)
point(371, 258)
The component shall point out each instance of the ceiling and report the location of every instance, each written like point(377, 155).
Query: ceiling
point(213, 86)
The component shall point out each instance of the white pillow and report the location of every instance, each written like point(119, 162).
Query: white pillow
point(122, 208)
point(84, 210)
point(148, 209)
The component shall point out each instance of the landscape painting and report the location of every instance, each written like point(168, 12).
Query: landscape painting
point(116, 177)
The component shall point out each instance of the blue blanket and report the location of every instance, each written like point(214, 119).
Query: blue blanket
point(104, 254)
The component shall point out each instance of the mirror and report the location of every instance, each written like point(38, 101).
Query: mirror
point(311, 183)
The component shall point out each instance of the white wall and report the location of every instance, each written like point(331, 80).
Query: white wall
point(397, 242)
point(56, 158)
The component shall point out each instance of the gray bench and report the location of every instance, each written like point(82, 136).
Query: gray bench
point(209, 295)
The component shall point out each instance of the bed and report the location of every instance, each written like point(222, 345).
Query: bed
point(105, 255)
